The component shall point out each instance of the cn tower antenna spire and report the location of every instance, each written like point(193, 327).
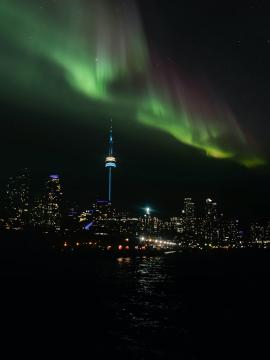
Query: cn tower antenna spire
point(110, 162)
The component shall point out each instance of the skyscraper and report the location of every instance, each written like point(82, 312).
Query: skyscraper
point(189, 209)
point(17, 201)
point(110, 163)
point(189, 222)
point(52, 204)
point(210, 209)
point(38, 212)
point(211, 225)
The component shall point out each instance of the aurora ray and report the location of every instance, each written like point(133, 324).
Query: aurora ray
point(98, 44)
point(95, 45)
point(193, 114)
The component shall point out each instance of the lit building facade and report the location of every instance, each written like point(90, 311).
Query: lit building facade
point(189, 209)
point(17, 201)
point(52, 204)
point(257, 232)
point(38, 212)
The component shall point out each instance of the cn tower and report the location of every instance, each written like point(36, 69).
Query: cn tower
point(110, 163)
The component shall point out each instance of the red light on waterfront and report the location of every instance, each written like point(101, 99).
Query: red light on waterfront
point(127, 247)
point(120, 247)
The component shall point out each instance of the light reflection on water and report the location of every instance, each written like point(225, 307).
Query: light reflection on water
point(123, 260)
point(144, 301)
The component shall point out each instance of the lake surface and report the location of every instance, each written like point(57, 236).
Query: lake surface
point(174, 306)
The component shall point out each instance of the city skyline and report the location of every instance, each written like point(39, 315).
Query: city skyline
point(197, 206)
point(37, 191)
point(168, 211)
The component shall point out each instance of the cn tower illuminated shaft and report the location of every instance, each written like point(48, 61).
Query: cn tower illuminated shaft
point(110, 163)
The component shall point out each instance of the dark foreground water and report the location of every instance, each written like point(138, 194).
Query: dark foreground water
point(196, 306)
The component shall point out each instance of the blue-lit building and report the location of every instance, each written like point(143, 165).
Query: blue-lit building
point(110, 163)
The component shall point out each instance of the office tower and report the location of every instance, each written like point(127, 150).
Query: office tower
point(17, 201)
point(210, 209)
point(53, 203)
point(189, 209)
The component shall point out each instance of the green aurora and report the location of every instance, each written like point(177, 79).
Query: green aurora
point(93, 47)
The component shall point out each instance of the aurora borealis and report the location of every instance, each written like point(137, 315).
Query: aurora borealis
point(97, 45)
point(197, 120)
point(91, 47)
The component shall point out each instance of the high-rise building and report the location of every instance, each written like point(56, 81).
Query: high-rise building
point(53, 203)
point(38, 212)
point(257, 231)
point(211, 224)
point(189, 209)
point(210, 209)
point(188, 237)
point(102, 209)
point(230, 232)
point(110, 163)
point(149, 224)
point(267, 231)
point(71, 218)
point(17, 201)
point(178, 224)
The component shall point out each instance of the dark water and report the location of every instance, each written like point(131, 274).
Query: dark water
point(184, 307)
point(170, 306)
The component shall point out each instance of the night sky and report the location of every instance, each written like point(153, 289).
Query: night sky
point(187, 86)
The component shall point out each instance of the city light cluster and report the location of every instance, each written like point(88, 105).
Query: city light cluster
point(103, 227)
